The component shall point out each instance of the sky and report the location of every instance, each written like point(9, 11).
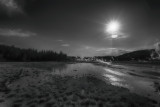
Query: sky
point(78, 27)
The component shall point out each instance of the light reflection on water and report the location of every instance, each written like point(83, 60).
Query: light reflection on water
point(116, 78)
point(116, 81)
point(119, 77)
point(113, 72)
point(113, 78)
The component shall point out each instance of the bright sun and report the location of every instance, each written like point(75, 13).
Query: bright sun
point(113, 27)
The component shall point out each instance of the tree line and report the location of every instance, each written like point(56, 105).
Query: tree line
point(12, 53)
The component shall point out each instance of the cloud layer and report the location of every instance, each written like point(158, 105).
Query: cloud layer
point(112, 51)
point(16, 33)
point(65, 45)
point(106, 51)
point(59, 40)
point(10, 6)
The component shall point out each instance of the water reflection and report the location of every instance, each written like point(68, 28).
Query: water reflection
point(59, 68)
point(113, 78)
point(121, 76)
point(78, 70)
point(113, 72)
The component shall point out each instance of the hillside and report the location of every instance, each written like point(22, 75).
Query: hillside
point(136, 55)
point(144, 55)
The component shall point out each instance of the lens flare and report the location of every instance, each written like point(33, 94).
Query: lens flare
point(114, 36)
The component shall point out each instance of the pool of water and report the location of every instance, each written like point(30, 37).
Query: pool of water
point(142, 80)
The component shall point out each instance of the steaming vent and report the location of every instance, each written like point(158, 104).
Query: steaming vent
point(156, 53)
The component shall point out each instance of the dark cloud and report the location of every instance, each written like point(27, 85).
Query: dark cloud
point(10, 7)
point(14, 8)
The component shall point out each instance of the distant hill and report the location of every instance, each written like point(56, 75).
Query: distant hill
point(12, 53)
point(135, 55)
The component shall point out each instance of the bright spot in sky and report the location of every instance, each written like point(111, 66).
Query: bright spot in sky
point(114, 36)
point(113, 27)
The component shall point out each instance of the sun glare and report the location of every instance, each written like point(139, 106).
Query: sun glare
point(113, 27)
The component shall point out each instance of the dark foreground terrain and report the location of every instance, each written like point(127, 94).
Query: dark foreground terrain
point(22, 86)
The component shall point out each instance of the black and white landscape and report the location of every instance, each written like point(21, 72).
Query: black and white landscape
point(79, 53)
